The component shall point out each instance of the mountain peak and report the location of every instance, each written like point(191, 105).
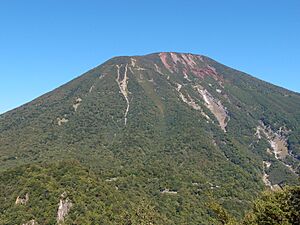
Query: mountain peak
point(186, 64)
point(170, 127)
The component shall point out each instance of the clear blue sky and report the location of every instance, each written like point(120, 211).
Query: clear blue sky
point(45, 43)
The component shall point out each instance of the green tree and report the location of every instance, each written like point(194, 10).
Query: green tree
point(280, 207)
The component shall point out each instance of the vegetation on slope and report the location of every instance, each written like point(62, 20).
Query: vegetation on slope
point(94, 201)
point(171, 155)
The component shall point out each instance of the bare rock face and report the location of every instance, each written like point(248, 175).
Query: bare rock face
point(265, 178)
point(22, 201)
point(187, 64)
point(61, 121)
point(168, 191)
point(267, 182)
point(122, 83)
point(63, 208)
point(31, 222)
point(215, 106)
point(77, 103)
point(276, 139)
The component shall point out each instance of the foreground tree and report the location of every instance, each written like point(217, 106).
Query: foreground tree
point(280, 207)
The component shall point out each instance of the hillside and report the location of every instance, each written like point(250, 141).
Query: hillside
point(172, 131)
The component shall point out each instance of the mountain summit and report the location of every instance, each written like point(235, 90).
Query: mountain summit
point(167, 132)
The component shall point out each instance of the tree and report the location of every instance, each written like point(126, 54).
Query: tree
point(280, 207)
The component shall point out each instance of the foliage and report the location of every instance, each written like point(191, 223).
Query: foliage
point(280, 207)
point(93, 201)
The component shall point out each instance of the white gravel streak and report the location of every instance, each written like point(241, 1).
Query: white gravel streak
point(123, 88)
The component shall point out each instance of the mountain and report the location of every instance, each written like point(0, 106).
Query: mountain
point(157, 138)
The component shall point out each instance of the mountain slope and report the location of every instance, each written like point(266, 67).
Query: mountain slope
point(180, 129)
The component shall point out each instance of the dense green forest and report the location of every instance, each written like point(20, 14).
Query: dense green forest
point(97, 201)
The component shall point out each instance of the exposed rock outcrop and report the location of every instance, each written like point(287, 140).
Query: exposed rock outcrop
point(122, 83)
point(187, 64)
point(91, 88)
point(277, 140)
point(22, 201)
point(265, 178)
point(31, 222)
point(168, 191)
point(190, 101)
point(215, 106)
point(61, 121)
point(267, 182)
point(111, 179)
point(77, 103)
point(64, 208)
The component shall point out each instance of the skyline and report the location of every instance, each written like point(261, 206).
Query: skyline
point(46, 44)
